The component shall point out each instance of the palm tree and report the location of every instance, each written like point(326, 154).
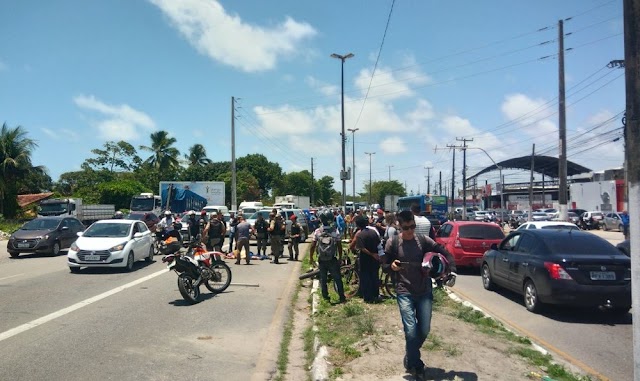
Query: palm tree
point(15, 165)
point(197, 156)
point(164, 157)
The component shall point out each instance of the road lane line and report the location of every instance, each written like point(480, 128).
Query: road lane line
point(535, 338)
point(7, 277)
point(54, 315)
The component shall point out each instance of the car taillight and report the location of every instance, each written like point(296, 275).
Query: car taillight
point(556, 271)
point(457, 243)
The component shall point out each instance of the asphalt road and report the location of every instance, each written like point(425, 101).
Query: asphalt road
point(591, 340)
point(110, 325)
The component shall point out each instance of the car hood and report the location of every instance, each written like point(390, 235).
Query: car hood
point(31, 234)
point(99, 243)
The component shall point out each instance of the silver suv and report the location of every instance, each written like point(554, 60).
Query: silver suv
point(286, 215)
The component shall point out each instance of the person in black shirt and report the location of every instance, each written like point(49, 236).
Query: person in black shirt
point(294, 238)
point(260, 227)
point(367, 245)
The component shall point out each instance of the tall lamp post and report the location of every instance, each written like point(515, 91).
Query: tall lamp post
point(501, 181)
point(370, 183)
point(353, 162)
point(343, 172)
point(390, 166)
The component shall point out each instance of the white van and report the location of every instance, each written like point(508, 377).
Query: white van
point(215, 209)
point(257, 205)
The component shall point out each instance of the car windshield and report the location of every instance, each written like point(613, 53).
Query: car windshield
point(581, 245)
point(135, 216)
point(107, 230)
point(265, 214)
point(485, 231)
point(41, 224)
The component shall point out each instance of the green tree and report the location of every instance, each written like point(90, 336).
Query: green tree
point(120, 156)
point(15, 165)
point(35, 181)
point(197, 156)
point(266, 172)
point(324, 192)
point(210, 172)
point(380, 189)
point(119, 192)
point(298, 183)
point(163, 157)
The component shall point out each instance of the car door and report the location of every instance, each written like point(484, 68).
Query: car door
point(66, 235)
point(444, 235)
point(520, 260)
point(506, 247)
point(76, 227)
point(145, 240)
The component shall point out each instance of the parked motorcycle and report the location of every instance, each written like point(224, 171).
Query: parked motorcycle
point(196, 267)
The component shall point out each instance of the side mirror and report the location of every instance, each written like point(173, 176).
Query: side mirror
point(79, 234)
point(137, 235)
point(494, 246)
point(64, 228)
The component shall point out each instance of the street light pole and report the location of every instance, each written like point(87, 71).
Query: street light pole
point(501, 181)
point(370, 153)
point(390, 166)
point(343, 172)
point(353, 162)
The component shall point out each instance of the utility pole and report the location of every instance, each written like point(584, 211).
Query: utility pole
point(234, 203)
point(353, 162)
point(390, 166)
point(631, 10)
point(533, 155)
point(464, 175)
point(562, 124)
point(312, 183)
point(370, 183)
point(343, 137)
point(453, 175)
point(428, 179)
point(440, 184)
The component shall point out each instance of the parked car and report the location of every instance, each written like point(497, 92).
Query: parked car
point(468, 240)
point(286, 215)
point(586, 219)
point(565, 267)
point(44, 235)
point(111, 243)
point(578, 211)
point(150, 219)
point(611, 221)
point(549, 211)
point(571, 216)
point(625, 247)
point(548, 225)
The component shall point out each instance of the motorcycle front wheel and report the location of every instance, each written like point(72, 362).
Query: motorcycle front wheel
point(188, 289)
point(221, 277)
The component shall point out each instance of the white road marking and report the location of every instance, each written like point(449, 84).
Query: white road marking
point(54, 315)
point(7, 277)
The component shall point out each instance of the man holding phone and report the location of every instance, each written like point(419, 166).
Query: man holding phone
point(404, 256)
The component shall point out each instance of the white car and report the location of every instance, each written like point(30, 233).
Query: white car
point(548, 225)
point(111, 243)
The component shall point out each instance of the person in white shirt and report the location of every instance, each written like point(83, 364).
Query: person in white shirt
point(167, 221)
point(423, 225)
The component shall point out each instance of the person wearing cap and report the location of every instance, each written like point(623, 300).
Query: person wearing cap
point(294, 238)
point(379, 222)
point(193, 225)
point(119, 215)
point(624, 218)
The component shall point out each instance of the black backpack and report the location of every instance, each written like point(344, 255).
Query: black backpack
point(215, 228)
point(327, 247)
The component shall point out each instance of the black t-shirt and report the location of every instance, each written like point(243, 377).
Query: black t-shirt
point(368, 239)
point(261, 226)
point(194, 227)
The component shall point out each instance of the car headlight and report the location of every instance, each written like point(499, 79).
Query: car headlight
point(118, 247)
point(74, 247)
point(46, 237)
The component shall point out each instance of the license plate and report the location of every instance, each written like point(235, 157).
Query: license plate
point(603, 275)
point(91, 257)
point(23, 245)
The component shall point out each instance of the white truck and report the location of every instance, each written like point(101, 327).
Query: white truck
point(391, 203)
point(146, 202)
point(292, 202)
point(88, 213)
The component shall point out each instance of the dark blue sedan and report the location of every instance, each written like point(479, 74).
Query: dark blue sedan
point(562, 267)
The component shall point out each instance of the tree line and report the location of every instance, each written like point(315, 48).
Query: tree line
point(116, 171)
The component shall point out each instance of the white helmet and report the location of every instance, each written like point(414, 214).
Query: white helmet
point(192, 212)
point(167, 212)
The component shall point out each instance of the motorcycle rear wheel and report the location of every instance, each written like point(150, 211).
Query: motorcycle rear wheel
point(189, 291)
point(221, 278)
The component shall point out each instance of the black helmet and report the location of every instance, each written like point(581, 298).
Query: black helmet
point(326, 217)
point(435, 265)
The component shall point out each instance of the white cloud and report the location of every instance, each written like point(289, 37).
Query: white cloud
point(61, 134)
point(120, 122)
point(228, 39)
point(393, 145)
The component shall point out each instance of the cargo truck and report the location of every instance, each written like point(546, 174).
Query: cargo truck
point(88, 213)
point(292, 202)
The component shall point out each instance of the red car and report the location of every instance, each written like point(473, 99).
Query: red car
point(468, 240)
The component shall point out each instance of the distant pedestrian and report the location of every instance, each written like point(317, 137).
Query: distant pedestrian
point(294, 238)
point(624, 218)
point(368, 246)
point(404, 254)
point(232, 227)
point(326, 240)
point(214, 232)
point(423, 225)
point(243, 232)
point(260, 228)
point(276, 231)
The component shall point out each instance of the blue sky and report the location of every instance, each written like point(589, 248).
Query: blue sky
point(76, 74)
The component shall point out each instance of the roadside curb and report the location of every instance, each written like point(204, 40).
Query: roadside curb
point(319, 367)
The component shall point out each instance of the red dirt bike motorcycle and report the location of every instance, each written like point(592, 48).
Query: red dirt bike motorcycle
point(196, 267)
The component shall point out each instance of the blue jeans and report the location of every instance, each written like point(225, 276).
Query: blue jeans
point(415, 312)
